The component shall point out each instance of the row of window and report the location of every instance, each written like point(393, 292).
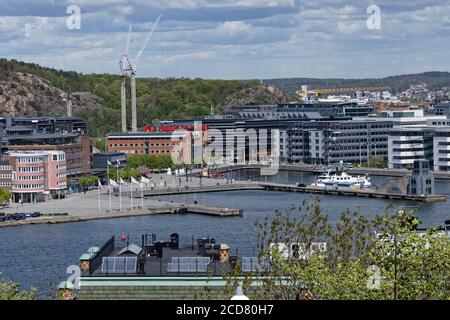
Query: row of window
point(72, 150)
point(75, 160)
point(418, 157)
point(144, 152)
point(31, 169)
point(31, 177)
point(5, 167)
point(59, 157)
point(407, 149)
point(5, 175)
point(30, 159)
point(28, 186)
point(143, 145)
point(143, 138)
point(5, 184)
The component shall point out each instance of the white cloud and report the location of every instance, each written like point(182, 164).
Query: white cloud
point(349, 27)
point(194, 56)
point(233, 28)
point(241, 38)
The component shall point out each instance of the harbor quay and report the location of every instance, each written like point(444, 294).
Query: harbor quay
point(130, 199)
point(103, 205)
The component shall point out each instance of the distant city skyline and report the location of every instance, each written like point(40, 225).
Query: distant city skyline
point(224, 39)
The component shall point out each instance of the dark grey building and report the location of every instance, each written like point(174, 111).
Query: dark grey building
point(330, 141)
point(310, 138)
point(100, 161)
point(442, 109)
point(56, 124)
point(296, 110)
point(68, 134)
point(421, 182)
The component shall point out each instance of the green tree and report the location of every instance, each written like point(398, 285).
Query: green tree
point(5, 196)
point(89, 181)
point(379, 259)
point(100, 144)
point(11, 291)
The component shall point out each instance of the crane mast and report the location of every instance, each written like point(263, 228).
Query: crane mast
point(129, 66)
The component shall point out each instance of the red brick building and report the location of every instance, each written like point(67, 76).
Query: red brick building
point(175, 144)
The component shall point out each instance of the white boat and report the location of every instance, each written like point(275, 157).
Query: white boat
point(342, 180)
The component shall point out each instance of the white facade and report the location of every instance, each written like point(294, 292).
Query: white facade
point(406, 117)
point(316, 142)
point(406, 144)
point(441, 148)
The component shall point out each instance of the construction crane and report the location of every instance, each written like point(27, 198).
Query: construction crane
point(130, 66)
point(318, 92)
point(67, 97)
point(124, 63)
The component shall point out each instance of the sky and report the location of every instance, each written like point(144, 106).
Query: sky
point(224, 39)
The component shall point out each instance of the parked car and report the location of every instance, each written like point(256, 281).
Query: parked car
point(36, 214)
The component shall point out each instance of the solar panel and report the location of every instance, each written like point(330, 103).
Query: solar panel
point(119, 264)
point(253, 264)
point(188, 264)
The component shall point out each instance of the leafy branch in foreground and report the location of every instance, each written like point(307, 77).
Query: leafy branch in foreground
point(353, 258)
point(11, 291)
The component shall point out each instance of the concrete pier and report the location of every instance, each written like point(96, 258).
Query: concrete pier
point(367, 193)
point(173, 208)
point(194, 189)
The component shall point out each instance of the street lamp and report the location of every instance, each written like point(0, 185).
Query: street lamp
point(239, 294)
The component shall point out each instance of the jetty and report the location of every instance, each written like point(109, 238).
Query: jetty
point(194, 189)
point(355, 192)
point(366, 193)
point(164, 208)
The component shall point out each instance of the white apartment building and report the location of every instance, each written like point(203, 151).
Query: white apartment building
point(409, 143)
point(441, 148)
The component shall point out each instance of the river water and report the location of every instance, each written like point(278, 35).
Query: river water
point(38, 255)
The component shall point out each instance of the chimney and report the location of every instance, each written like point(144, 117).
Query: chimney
point(85, 261)
point(224, 253)
point(65, 291)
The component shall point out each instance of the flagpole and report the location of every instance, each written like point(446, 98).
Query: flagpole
point(131, 185)
point(142, 194)
point(109, 188)
point(99, 208)
point(120, 188)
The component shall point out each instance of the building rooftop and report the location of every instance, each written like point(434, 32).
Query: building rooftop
point(165, 259)
point(109, 154)
point(443, 104)
point(44, 136)
point(142, 134)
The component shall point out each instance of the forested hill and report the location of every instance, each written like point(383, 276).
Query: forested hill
point(29, 89)
point(434, 80)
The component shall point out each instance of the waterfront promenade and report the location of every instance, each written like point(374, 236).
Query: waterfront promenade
point(85, 206)
point(135, 201)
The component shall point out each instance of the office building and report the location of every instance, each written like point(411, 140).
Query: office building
point(100, 161)
point(66, 134)
point(37, 176)
point(441, 149)
point(410, 143)
point(421, 182)
point(176, 145)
